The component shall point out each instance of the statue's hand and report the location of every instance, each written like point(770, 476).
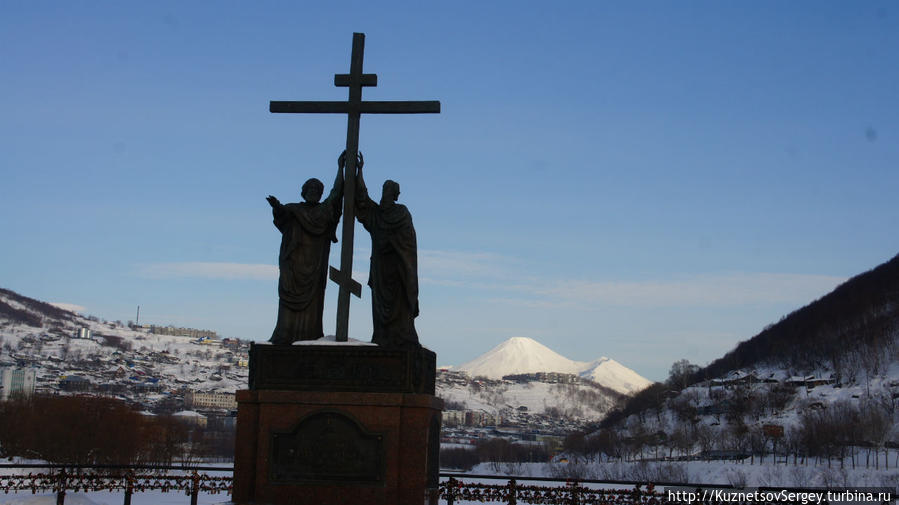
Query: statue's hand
point(359, 160)
point(341, 160)
point(273, 201)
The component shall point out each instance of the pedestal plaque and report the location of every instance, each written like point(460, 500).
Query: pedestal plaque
point(327, 446)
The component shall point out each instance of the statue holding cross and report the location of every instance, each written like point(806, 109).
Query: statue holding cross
point(354, 107)
point(393, 275)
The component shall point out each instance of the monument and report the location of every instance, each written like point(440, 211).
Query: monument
point(342, 423)
point(307, 230)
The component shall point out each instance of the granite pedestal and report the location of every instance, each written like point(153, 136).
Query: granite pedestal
point(337, 424)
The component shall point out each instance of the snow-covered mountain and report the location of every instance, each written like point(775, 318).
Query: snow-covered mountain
point(522, 355)
point(614, 375)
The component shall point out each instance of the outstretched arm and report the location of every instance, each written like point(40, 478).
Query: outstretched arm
point(278, 212)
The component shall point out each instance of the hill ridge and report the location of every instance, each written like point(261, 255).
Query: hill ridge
point(863, 311)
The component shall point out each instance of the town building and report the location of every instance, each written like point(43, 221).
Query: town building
point(547, 377)
point(210, 400)
point(17, 381)
point(182, 332)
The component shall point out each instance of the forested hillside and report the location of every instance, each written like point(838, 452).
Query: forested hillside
point(846, 331)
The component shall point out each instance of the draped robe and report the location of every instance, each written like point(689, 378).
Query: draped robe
point(393, 274)
point(307, 232)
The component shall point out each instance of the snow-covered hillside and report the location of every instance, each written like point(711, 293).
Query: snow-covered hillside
point(158, 370)
point(582, 402)
point(522, 355)
point(116, 358)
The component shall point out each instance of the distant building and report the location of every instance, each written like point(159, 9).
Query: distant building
point(547, 377)
point(84, 333)
point(210, 400)
point(75, 383)
point(479, 418)
point(17, 381)
point(231, 343)
point(453, 417)
point(182, 332)
point(469, 418)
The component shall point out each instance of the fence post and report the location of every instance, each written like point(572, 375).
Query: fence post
point(129, 487)
point(513, 494)
point(61, 489)
point(194, 488)
point(450, 491)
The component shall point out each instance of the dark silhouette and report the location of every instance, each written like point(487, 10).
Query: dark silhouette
point(860, 314)
point(354, 107)
point(307, 229)
point(393, 275)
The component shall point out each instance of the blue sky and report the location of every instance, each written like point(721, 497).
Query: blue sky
point(648, 181)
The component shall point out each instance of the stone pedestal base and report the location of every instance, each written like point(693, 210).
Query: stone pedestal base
point(313, 447)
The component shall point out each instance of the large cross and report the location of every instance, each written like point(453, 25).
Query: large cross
point(353, 108)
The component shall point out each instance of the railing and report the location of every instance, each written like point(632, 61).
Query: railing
point(572, 493)
point(622, 492)
point(130, 479)
point(454, 488)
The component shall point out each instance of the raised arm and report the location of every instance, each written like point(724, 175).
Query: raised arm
point(337, 188)
point(364, 204)
point(361, 191)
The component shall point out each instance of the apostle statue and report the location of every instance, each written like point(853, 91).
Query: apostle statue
point(393, 275)
point(307, 230)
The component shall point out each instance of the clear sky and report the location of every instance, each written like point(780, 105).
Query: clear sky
point(647, 181)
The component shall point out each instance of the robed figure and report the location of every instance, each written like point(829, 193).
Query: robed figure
point(393, 275)
point(307, 231)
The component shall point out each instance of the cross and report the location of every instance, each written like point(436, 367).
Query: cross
point(353, 108)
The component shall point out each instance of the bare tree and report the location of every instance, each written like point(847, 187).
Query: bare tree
point(681, 374)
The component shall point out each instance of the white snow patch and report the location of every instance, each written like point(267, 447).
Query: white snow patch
point(71, 307)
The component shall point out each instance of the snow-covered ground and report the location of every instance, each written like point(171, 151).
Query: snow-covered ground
point(710, 473)
point(879, 392)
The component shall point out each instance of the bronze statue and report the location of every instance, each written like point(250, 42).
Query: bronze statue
point(307, 230)
point(393, 275)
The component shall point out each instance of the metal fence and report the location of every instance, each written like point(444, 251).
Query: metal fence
point(454, 487)
point(60, 479)
point(513, 492)
point(470, 488)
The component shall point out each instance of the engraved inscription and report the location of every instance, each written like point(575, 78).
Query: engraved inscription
point(327, 446)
